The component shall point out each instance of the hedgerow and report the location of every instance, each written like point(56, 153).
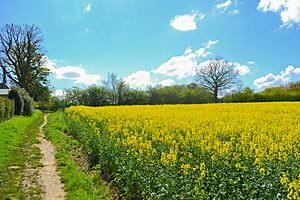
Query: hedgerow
point(6, 109)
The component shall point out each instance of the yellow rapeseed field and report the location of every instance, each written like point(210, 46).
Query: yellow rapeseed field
point(235, 151)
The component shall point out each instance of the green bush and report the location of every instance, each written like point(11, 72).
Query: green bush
point(23, 102)
point(28, 103)
point(6, 109)
point(19, 102)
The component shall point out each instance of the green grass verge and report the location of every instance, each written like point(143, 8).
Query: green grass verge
point(79, 181)
point(17, 153)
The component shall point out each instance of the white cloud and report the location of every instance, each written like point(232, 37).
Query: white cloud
point(186, 22)
point(234, 12)
point(199, 52)
point(179, 66)
point(50, 64)
point(139, 79)
point(68, 72)
point(203, 64)
point(223, 6)
point(210, 43)
point(89, 79)
point(271, 80)
point(270, 5)
point(77, 74)
point(251, 62)
point(242, 69)
point(167, 82)
point(202, 53)
point(142, 79)
point(297, 71)
point(184, 65)
point(291, 13)
point(289, 10)
point(290, 70)
point(229, 7)
point(88, 7)
point(58, 92)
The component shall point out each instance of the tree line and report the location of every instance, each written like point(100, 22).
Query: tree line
point(289, 92)
point(22, 65)
point(176, 94)
point(114, 91)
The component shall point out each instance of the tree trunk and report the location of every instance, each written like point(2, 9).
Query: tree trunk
point(216, 100)
point(4, 75)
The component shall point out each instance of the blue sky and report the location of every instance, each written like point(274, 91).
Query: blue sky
point(163, 42)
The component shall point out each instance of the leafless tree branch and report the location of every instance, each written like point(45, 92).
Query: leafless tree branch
point(216, 76)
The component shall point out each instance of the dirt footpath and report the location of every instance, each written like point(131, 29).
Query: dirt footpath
point(48, 175)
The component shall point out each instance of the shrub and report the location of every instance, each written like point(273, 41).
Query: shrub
point(6, 109)
point(23, 102)
point(19, 102)
point(28, 103)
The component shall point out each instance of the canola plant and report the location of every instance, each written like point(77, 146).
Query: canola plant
point(211, 151)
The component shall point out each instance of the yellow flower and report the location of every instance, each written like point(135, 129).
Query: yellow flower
point(262, 170)
point(284, 179)
point(185, 168)
point(171, 134)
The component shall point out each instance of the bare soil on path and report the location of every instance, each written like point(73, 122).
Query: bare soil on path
point(48, 175)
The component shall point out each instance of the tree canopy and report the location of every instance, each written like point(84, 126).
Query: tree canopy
point(22, 59)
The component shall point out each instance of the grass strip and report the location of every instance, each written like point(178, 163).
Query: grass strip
point(80, 182)
point(17, 153)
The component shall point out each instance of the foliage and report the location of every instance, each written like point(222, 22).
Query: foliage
point(189, 94)
point(19, 102)
point(101, 96)
point(212, 151)
point(134, 97)
point(294, 86)
point(246, 95)
point(78, 184)
point(23, 102)
point(22, 59)
point(290, 92)
point(95, 96)
point(6, 109)
point(54, 103)
point(176, 94)
point(39, 92)
point(279, 94)
point(28, 102)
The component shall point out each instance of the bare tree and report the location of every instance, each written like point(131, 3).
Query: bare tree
point(111, 84)
point(216, 76)
point(117, 89)
point(22, 57)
